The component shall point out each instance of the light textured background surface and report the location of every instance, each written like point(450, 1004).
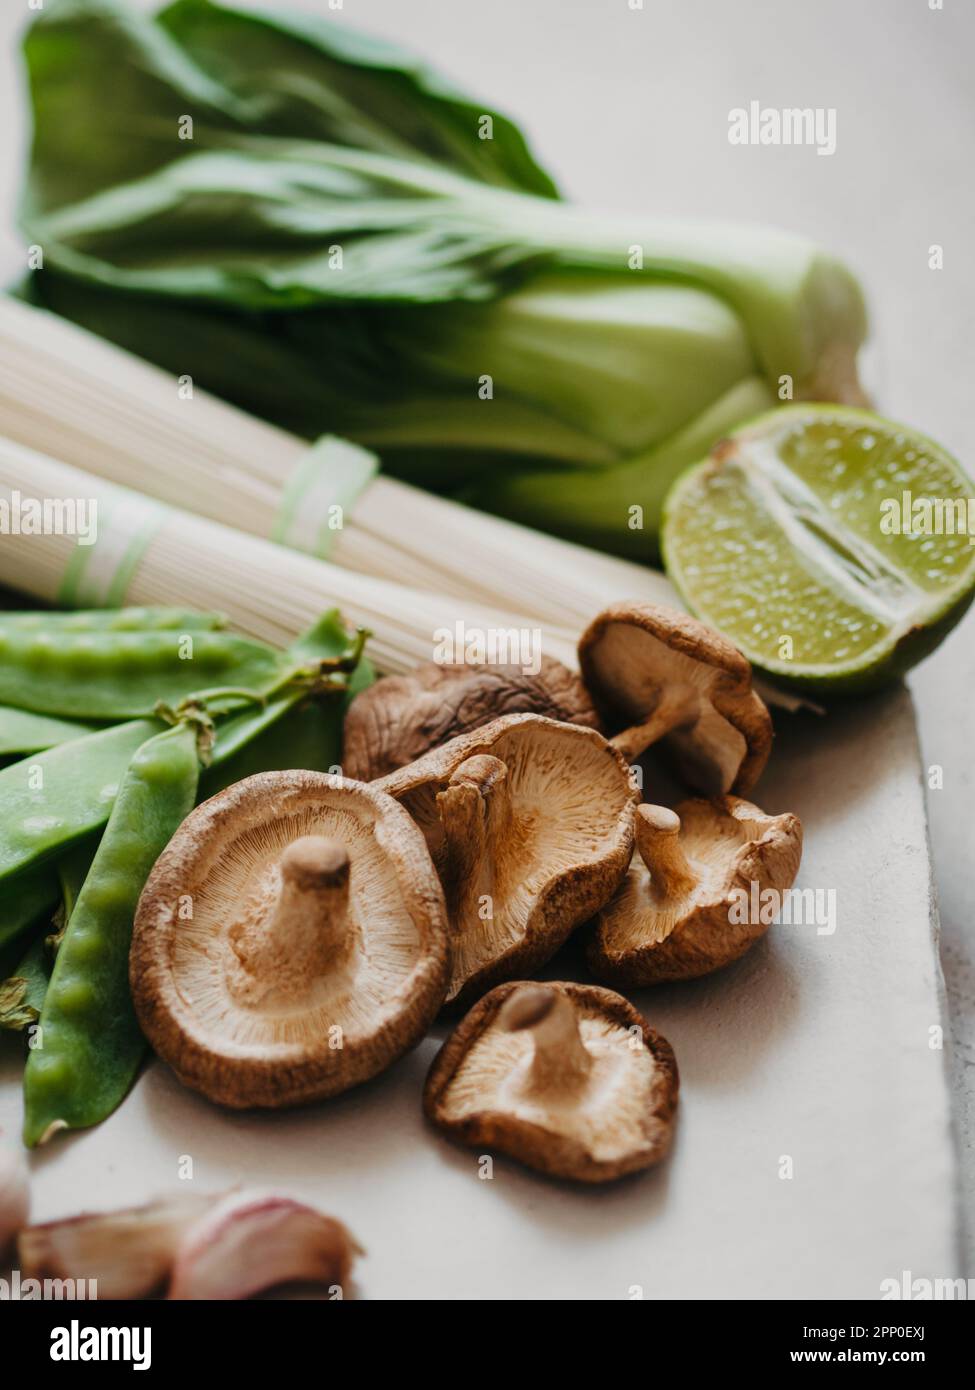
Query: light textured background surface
point(629, 109)
point(812, 1049)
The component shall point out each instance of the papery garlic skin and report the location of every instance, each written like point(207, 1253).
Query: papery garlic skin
point(127, 1253)
point(251, 1242)
point(14, 1195)
point(192, 1246)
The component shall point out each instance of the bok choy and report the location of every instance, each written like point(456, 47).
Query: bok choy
point(317, 227)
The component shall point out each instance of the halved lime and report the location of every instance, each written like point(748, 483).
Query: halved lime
point(835, 548)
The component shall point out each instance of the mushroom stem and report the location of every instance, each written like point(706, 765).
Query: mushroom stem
point(679, 707)
point(474, 810)
point(561, 1062)
point(658, 844)
point(309, 930)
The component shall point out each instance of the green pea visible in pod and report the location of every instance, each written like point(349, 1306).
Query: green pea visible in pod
point(53, 799)
point(88, 1045)
point(114, 620)
point(124, 675)
point(21, 731)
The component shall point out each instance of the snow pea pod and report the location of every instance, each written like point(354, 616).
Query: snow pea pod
point(55, 798)
point(72, 869)
point(114, 620)
point(308, 735)
point(256, 741)
point(89, 1046)
point(21, 731)
point(236, 731)
point(49, 801)
point(26, 898)
point(124, 675)
point(22, 994)
point(328, 640)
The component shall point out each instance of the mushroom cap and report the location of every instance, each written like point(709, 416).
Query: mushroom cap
point(568, 838)
point(286, 1034)
point(632, 653)
point(645, 937)
point(619, 1121)
point(399, 718)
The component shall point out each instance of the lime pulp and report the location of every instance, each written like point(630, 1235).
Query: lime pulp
point(834, 547)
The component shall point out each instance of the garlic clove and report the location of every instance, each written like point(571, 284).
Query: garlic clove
point(14, 1195)
point(252, 1242)
point(128, 1253)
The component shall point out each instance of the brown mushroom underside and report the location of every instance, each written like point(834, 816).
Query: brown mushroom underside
point(290, 942)
point(639, 660)
point(610, 1115)
point(680, 912)
point(530, 825)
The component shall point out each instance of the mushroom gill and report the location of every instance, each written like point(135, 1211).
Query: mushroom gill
point(291, 940)
point(565, 1078)
point(678, 912)
point(660, 676)
point(529, 822)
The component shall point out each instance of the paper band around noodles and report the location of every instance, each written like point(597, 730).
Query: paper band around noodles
point(98, 575)
point(332, 474)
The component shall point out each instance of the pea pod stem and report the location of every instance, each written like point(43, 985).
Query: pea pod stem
point(309, 674)
point(314, 674)
point(210, 701)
